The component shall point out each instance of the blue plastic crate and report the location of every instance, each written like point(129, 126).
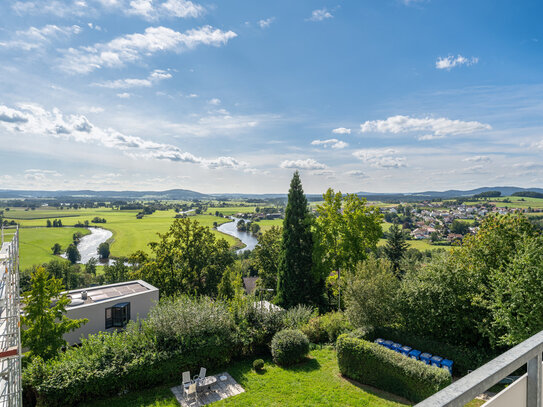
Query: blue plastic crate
point(387, 344)
point(436, 361)
point(447, 364)
point(396, 347)
point(405, 350)
point(425, 357)
point(379, 341)
point(415, 354)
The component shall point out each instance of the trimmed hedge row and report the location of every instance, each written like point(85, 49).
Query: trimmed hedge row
point(374, 365)
point(464, 358)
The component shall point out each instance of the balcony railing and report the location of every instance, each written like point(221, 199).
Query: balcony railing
point(525, 392)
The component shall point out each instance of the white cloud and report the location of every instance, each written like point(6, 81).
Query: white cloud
point(214, 101)
point(169, 8)
point(333, 142)
point(35, 38)
point(451, 62)
point(266, 23)
point(477, 159)
point(356, 173)
point(78, 128)
point(124, 95)
point(40, 175)
point(381, 158)
point(9, 115)
point(528, 165)
point(307, 164)
point(429, 137)
point(341, 130)
point(320, 15)
point(153, 78)
point(54, 7)
point(133, 47)
point(438, 126)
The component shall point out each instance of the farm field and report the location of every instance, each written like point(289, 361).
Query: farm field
point(421, 245)
point(516, 202)
point(35, 243)
point(129, 234)
point(230, 210)
point(266, 224)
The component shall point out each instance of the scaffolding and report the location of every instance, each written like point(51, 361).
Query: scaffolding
point(10, 333)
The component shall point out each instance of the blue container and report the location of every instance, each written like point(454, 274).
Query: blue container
point(405, 350)
point(415, 354)
point(425, 357)
point(396, 347)
point(447, 364)
point(387, 344)
point(436, 361)
point(379, 341)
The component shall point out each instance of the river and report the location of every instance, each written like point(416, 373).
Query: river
point(231, 228)
point(88, 245)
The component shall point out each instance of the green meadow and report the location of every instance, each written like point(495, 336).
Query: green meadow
point(129, 234)
point(230, 210)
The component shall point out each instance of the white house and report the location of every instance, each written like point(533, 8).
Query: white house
point(109, 307)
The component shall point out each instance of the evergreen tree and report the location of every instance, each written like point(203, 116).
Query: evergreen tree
point(396, 247)
point(45, 320)
point(295, 282)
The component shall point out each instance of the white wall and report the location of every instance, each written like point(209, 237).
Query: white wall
point(140, 304)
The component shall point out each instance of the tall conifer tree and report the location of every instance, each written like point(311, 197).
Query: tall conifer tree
point(295, 280)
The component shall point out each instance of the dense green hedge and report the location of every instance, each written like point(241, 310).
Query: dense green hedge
point(464, 358)
point(377, 366)
point(289, 346)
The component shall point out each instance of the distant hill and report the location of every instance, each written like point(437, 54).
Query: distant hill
point(453, 193)
point(174, 194)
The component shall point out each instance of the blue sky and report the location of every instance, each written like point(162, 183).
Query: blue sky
point(233, 96)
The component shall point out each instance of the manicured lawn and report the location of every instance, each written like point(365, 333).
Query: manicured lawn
point(129, 234)
point(316, 382)
point(35, 244)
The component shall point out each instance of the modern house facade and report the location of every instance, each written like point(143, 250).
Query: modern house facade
point(109, 307)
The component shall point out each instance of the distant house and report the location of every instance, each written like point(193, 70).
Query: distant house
point(451, 237)
point(109, 307)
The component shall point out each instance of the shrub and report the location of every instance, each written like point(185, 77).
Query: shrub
point(289, 346)
point(387, 370)
point(464, 358)
point(297, 316)
point(258, 365)
point(335, 324)
point(314, 331)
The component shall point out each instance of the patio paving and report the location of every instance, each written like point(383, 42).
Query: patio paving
point(219, 391)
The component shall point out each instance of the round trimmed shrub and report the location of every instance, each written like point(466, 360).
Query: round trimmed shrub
point(258, 365)
point(289, 346)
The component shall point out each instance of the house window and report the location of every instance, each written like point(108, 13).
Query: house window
point(118, 315)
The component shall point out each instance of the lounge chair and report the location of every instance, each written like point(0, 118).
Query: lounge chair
point(190, 392)
point(202, 374)
point(186, 380)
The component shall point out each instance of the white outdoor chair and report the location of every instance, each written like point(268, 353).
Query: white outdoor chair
point(190, 392)
point(201, 376)
point(186, 380)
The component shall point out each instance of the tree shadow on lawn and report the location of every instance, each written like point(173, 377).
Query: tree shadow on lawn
point(377, 392)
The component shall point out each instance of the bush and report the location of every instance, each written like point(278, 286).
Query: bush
point(387, 370)
point(464, 358)
point(297, 316)
point(335, 324)
point(289, 346)
point(258, 365)
point(314, 331)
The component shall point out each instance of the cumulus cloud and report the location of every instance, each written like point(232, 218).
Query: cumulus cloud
point(169, 8)
point(451, 62)
point(133, 47)
point(78, 128)
point(356, 173)
point(429, 137)
point(333, 142)
point(266, 23)
point(320, 15)
point(478, 159)
point(440, 127)
point(54, 7)
point(35, 38)
point(341, 130)
point(153, 78)
point(307, 164)
point(381, 158)
point(40, 175)
point(11, 115)
point(214, 102)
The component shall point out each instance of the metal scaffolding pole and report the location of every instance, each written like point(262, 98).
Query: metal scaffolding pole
point(10, 333)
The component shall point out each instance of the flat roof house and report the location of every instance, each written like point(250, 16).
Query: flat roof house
point(109, 307)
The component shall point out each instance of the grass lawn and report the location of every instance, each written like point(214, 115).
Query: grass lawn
point(422, 245)
point(35, 244)
point(266, 224)
point(315, 382)
point(129, 234)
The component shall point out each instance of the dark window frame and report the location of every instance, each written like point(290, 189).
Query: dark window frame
point(119, 315)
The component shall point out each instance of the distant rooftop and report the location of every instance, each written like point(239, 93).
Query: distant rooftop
point(107, 292)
